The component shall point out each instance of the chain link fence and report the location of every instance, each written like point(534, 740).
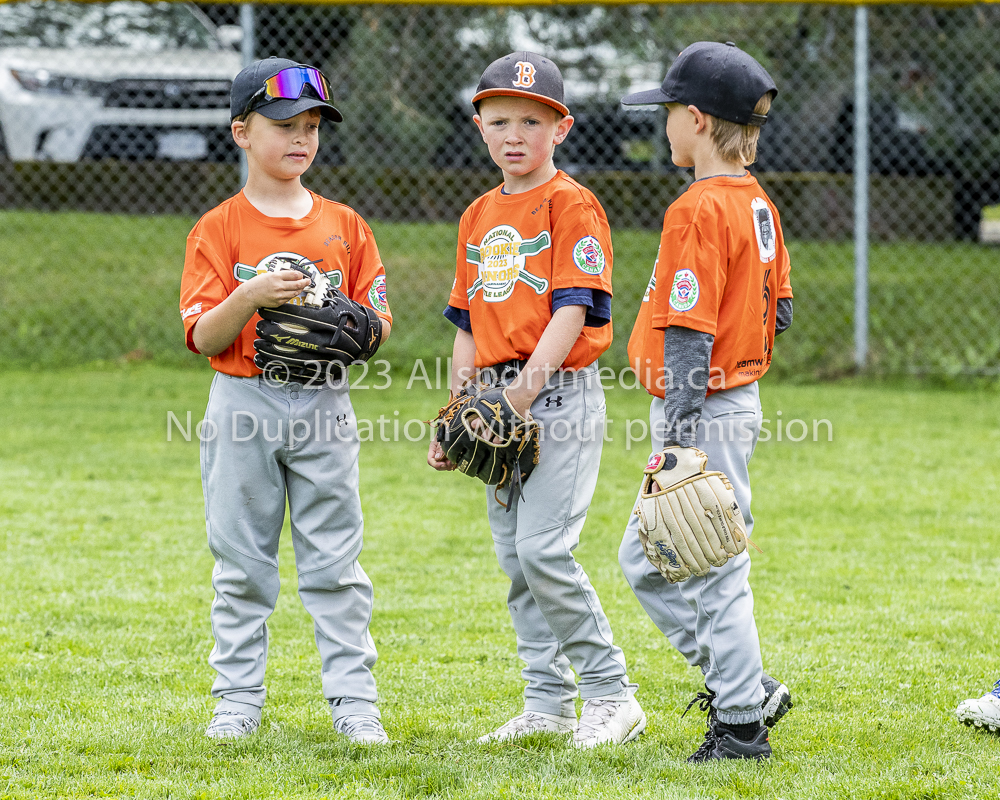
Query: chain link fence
point(114, 122)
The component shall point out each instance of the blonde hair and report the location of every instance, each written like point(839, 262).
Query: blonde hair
point(735, 142)
point(245, 118)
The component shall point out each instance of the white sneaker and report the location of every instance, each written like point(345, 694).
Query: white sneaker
point(530, 722)
point(231, 725)
point(362, 729)
point(983, 711)
point(615, 721)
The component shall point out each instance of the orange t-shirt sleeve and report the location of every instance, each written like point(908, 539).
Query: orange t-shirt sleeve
point(690, 279)
point(581, 251)
point(203, 286)
point(459, 297)
point(367, 282)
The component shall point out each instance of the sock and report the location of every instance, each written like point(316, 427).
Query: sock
point(745, 733)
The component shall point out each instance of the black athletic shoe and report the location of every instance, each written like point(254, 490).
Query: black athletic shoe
point(777, 700)
point(721, 744)
point(704, 752)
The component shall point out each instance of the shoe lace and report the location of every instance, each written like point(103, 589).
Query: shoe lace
point(595, 716)
point(524, 723)
point(232, 721)
point(704, 702)
point(996, 690)
point(706, 747)
point(704, 699)
point(360, 725)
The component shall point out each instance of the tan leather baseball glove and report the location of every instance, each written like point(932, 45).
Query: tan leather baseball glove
point(689, 520)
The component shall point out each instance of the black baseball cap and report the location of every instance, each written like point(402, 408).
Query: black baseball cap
point(523, 74)
point(249, 83)
point(720, 79)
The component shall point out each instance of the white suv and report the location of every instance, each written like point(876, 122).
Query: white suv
point(122, 80)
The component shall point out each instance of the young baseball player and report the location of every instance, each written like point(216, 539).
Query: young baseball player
point(276, 439)
point(718, 296)
point(532, 304)
point(983, 711)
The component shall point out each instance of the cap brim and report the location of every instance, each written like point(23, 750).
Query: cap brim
point(517, 93)
point(286, 109)
point(651, 97)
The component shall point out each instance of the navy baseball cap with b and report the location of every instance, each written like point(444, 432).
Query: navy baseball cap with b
point(523, 74)
point(278, 88)
point(720, 79)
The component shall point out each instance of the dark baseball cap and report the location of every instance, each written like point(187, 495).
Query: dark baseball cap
point(523, 74)
point(720, 79)
point(250, 83)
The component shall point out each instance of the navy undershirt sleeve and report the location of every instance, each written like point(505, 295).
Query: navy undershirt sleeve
point(458, 317)
point(597, 302)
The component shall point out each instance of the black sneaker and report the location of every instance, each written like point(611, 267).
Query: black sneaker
point(704, 752)
point(777, 700)
point(721, 744)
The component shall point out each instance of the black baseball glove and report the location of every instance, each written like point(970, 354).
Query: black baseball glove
point(507, 461)
point(309, 343)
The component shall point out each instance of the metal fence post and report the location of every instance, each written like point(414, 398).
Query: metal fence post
point(861, 185)
point(247, 51)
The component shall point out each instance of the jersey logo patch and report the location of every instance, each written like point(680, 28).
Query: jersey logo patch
point(763, 225)
point(525, 74)
point(685, 291)
point(588, 255)
point(376, 295)
point(244, 272)
point(190, 311)
point(500, 258)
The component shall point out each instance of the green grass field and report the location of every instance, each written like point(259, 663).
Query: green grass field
point(79, 288)
point(875, 596)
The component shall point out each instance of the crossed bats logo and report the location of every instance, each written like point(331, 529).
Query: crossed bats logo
point(500, 258)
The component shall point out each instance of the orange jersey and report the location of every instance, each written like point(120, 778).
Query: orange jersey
point(721, 267)
point(514, 251)
point(234, 242)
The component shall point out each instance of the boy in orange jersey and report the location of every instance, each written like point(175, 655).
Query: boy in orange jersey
point(532, 303)
point(719, 294)
point(272, 438)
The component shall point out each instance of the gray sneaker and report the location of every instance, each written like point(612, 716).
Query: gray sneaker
point(362, 729)
point(230, 725)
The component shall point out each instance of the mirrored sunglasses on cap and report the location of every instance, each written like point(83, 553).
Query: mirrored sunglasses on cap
point(289, 85)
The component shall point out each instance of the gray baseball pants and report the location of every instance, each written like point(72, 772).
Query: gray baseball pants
point(556, 613)
point(710, 619)
point(273, 442)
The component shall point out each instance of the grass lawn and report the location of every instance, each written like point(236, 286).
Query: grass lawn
point(77, 288)
point(875, 596)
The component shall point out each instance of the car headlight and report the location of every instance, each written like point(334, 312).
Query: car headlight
point(41, 80)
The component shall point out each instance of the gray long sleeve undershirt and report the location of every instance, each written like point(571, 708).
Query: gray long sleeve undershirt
point(783, 315)
point(687, 357)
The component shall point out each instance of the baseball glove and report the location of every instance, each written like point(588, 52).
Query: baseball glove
point(308, 342)
point(689, 520)
point(510, 460)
